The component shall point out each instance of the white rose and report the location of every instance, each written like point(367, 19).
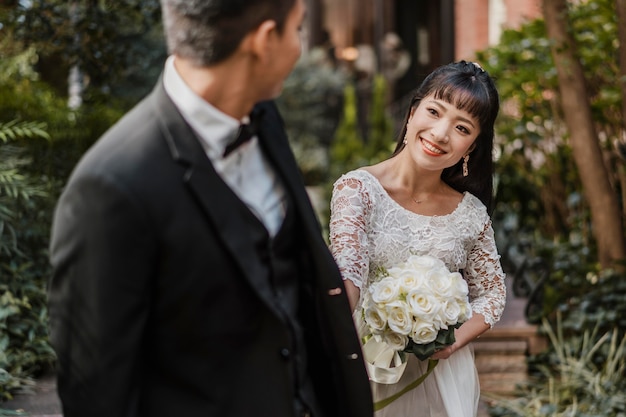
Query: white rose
point(451, 312)
point(395, 340)
point(399, 317)
point(443, 283)
point(395, 271)
point(423, 304)
point(385, 291)
point(424, 263)
point(423, 332)
point(439, 320)
point(466, 310)
point(411, 280)
point(375, 318)
point(460, 285)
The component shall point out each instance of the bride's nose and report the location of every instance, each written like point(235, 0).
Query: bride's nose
point(440, 131)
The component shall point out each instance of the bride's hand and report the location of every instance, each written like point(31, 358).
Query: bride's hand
point(444, 353)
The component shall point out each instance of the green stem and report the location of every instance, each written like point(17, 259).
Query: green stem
point(378, 405)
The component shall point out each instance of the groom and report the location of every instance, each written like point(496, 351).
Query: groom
point(190, 276)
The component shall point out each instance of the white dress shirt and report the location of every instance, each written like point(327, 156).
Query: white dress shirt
point(246, 170)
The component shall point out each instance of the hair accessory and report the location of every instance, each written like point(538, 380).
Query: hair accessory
point(477, 65)
point(465, 169)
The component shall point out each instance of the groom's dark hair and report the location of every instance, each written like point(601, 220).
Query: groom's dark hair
point(209, 31)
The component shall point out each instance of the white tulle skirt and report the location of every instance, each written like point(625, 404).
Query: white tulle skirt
point(451, 390)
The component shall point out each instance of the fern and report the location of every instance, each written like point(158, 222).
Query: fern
point(21, 293)
point(15, 129)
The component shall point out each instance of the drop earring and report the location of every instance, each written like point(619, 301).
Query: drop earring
point(465, 169)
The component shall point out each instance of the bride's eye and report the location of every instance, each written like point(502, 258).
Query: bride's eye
point(463, 129)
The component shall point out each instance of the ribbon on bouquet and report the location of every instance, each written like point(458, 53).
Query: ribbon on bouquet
point(384, 365)
point(378, 405)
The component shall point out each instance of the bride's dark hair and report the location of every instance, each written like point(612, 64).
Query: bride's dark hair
point(468, 87)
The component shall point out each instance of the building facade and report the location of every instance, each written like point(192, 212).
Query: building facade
point(409, 38)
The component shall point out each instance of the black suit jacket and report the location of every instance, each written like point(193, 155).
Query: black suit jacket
point(156, 307)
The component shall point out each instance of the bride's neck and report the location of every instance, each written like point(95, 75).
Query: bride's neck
point(414, 180)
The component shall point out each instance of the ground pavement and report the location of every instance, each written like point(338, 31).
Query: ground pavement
point(43, 402)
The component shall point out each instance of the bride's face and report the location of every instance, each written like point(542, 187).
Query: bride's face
point(439, 134)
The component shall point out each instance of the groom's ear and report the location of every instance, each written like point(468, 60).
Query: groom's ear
point(258, 41)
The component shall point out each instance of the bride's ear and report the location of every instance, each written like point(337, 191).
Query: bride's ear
point(411, 113)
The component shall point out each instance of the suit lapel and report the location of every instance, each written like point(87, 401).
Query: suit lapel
point(228, 215)
point(222, 206)
point(276, 147)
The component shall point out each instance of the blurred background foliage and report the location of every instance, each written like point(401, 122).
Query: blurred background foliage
point(542, 220)
point(541, 213)
point(119, 50)
point(575, 383)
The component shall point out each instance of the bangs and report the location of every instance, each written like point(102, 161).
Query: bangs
point(466, 93)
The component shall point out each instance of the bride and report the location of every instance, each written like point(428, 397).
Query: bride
point(432, 197)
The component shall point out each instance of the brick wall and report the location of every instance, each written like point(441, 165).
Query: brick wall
point(471, 27)
point(472, 23)
point(518, 12)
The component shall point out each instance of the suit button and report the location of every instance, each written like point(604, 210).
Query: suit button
point(285, 353)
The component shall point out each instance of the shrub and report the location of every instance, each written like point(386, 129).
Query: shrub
point(32, 173)
point(575, 384)
point(311, 106)
point(24, 348)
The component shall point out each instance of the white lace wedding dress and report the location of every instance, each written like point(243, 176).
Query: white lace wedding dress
point(368, 229)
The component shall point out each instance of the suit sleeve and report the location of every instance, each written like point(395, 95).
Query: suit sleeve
point(103, 254)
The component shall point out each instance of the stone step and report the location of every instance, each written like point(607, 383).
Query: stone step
point(536, 342)
point(500, 347)
point(490, 364)
point(501, 357)
point(501, 383)
point(511, 332)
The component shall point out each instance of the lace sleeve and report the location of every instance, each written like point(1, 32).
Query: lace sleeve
point(485, 277)
point(348, 236)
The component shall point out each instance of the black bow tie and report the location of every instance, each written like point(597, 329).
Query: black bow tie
point(245, 133)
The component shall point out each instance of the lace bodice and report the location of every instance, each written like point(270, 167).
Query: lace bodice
point(368, 230)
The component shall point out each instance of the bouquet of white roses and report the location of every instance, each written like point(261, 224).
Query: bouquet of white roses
point(412, 308)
